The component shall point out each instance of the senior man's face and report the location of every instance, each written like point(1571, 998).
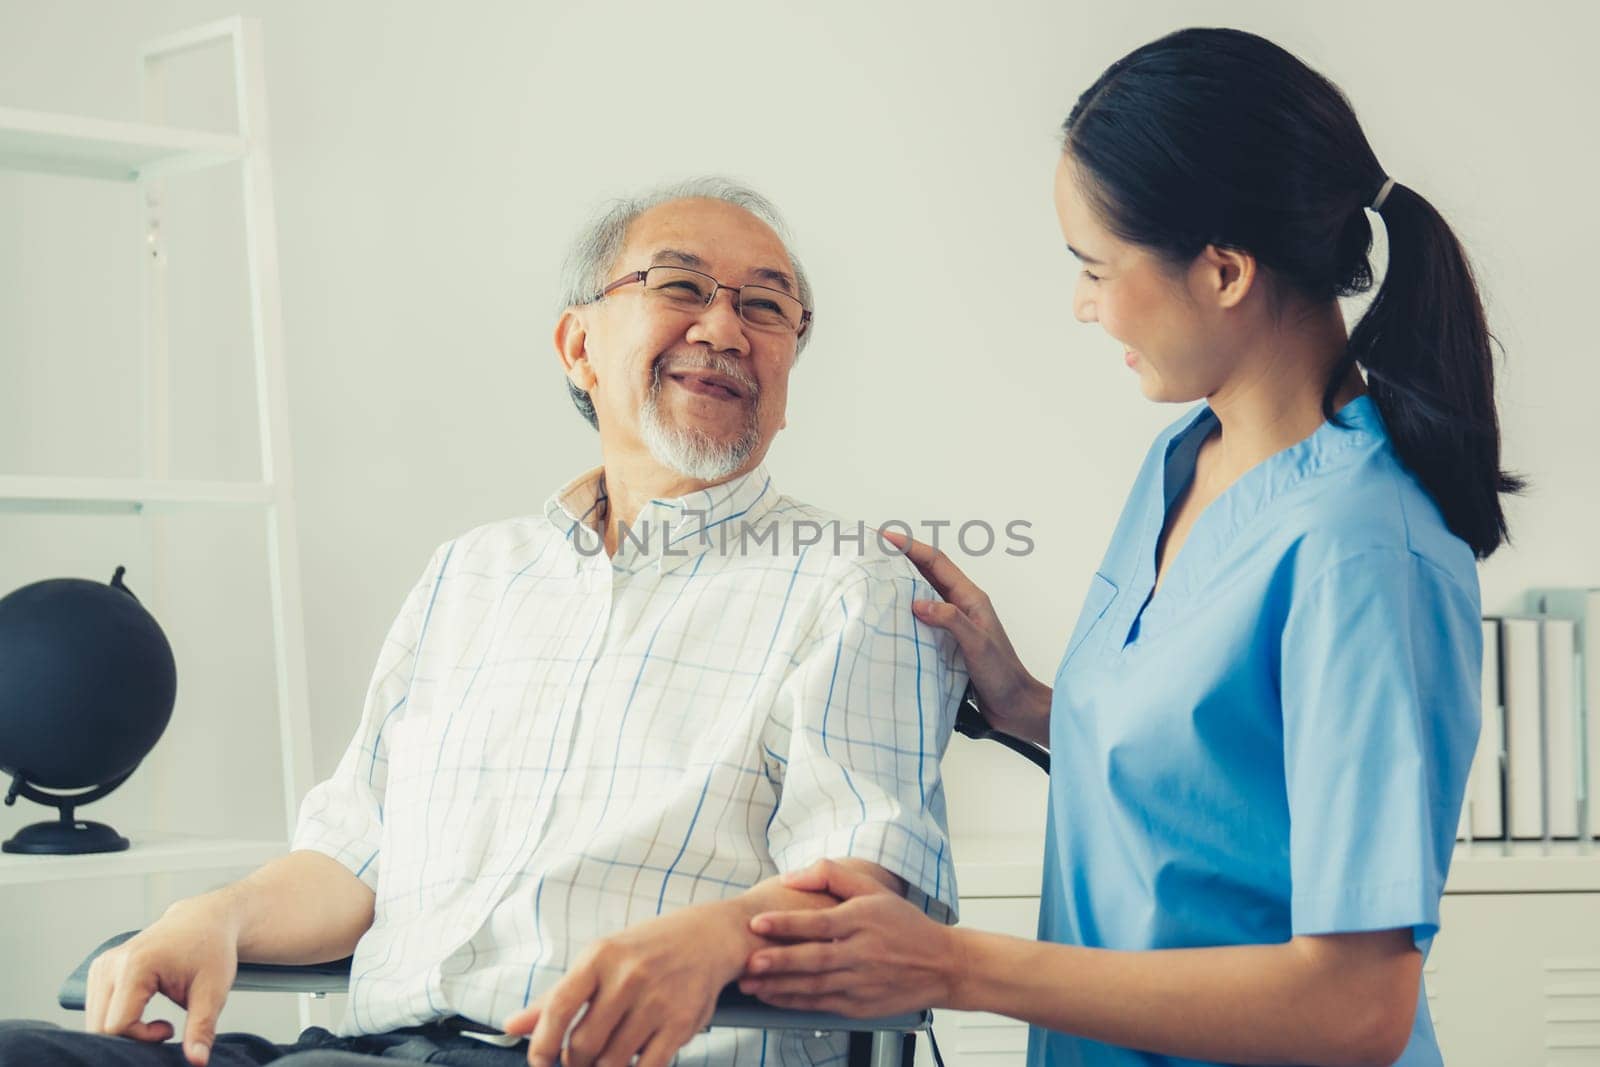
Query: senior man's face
point(698, 388)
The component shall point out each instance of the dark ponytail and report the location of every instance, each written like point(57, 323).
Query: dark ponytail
point(1219, 137)
point(1426, 350)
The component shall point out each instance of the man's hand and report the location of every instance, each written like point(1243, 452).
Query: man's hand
point(190, 955)
point(648, 990)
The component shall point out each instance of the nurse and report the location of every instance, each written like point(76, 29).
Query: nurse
point(1262, 722)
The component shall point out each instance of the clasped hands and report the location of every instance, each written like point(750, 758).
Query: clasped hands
point(648, 990)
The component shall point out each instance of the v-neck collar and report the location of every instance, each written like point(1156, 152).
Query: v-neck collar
point(1215, 529)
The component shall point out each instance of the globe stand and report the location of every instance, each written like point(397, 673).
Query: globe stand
point(67, 836)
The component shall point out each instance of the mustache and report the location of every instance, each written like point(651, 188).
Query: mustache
point(669, 362)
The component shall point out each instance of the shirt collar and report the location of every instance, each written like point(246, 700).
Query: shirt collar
point(666, 531)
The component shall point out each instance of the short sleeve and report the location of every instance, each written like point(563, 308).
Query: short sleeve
point(866, 714)
point(1380, 679)
point(342, 817)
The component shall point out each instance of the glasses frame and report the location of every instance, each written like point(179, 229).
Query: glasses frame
point(639, 276)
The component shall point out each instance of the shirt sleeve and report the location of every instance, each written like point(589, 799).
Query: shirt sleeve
point(868, 711)
point(1380, 680)
point(342, 817)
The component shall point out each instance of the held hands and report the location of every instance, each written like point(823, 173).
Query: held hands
point(873, 954)
point(647, 990)
point(1012, 700)
point(189, 955)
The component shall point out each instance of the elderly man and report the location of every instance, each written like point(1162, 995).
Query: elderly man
point(596, 735)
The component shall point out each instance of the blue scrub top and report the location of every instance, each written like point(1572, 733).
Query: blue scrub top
point(1277, 743)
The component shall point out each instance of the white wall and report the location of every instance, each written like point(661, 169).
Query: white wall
point(431, 161)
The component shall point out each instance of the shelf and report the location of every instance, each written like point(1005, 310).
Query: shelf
point(148, 854)
point(111, 151)
point(1013, 866)
point(123, 496)
point(1525, 867)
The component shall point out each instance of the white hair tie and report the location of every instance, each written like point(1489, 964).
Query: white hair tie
point(1383, 194)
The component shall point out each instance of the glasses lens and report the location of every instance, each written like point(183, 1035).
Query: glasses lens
point(769, 309)
point(679, 285)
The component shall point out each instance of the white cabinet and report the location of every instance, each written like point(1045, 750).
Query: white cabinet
point(1513, 979)
point(1514, 975)
point(978, 1039)
point(998, 877)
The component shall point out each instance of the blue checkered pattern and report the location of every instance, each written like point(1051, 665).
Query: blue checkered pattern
point(558, 744)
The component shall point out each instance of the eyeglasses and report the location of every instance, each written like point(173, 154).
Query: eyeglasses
point(761, 307)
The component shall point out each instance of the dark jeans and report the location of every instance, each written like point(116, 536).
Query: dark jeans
point(27, 1044)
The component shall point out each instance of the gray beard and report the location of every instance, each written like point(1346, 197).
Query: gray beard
point(689, 452)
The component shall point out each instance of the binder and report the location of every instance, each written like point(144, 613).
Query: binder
point(1562, 752)
point(1522, 680)
point(1485, 807)
point(1582, 606)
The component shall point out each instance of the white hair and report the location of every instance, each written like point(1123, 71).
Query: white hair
point(593, 257)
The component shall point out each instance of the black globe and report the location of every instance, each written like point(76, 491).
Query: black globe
point(87, 684)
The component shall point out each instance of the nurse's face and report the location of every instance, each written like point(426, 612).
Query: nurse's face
point(1166, 318)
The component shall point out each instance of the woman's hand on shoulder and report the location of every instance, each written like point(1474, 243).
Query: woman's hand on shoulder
point(1012, 700)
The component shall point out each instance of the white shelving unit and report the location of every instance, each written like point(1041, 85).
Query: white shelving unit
point(121, 496)
point(143, 154)
point(82, 147)
point(148, 854)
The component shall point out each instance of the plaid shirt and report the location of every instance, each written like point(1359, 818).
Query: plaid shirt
point(558, 744)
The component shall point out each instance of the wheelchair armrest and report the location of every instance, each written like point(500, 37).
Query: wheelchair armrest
point(745, 1012)
point(252, 977)
point(734, 1008)
point(74, 992)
